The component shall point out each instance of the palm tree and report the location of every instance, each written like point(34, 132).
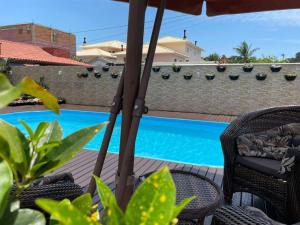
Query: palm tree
point(245, 51)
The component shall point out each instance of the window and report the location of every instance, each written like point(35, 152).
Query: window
point(20, 30)
point(187, 49)
point(175, 60)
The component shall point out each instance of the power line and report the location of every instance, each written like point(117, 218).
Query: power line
point(119, 26)
point(124, 33)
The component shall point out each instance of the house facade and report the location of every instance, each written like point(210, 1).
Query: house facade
point(101, 53)
point(183, 46)
point(168, 50)
point(53, 41)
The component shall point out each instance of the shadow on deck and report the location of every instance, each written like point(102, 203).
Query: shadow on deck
point(83, 164)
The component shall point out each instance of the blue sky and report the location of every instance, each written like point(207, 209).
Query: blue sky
point(275, 33)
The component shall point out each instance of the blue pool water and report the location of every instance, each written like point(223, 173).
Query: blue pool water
point(187, 141)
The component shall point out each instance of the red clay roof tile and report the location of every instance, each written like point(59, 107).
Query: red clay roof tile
point(29, 53)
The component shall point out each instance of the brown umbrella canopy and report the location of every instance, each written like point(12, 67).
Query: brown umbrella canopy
point(193, 7)
point(220, 7)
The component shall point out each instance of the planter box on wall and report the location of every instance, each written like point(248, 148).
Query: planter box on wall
point(234, 76)
point(275, 68)
point(290, 77)
point(261, 76)
point(188, 76)
point(82, 75)
point(165, 76)
point(105, 68)
point(221, 69)
point(90, 69)
point(114, 75)
point(156, 69)
point(248, 68)
point(176, 69)
point(97, 74)
point(210, 76)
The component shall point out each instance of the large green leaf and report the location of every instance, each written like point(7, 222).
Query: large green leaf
point(30, 87)
point(6, 182)
point(28, 217)
point(113, 215)
point(53, 133)
point(83, 203)
point(40, 130)
point(27, 127)
point(16, 216)
point(154, 200)
point(68, 148)
point(9, 93)
point(65, 212)
point(181, 206)
point(17, 144)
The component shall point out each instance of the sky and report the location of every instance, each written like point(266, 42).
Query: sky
point(274, 33)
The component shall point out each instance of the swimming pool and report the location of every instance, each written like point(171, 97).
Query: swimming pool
point(179, 140)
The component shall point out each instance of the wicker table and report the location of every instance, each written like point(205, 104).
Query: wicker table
point(208, 195)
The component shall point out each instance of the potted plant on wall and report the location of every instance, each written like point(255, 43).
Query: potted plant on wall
point(261, 76)
point(165, 76)
point(234, 76)
point(210, 76)
point(290, 76)
point(114, 75)
point(156, 69)
point(176, 69)
point(97, 74)
point(221, 68)
point(275, 68)
point(105, 68)
point(188, 76)
point(248, 68)
point(90, 69)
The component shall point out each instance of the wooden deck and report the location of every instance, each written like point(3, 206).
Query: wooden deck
point(82, 166)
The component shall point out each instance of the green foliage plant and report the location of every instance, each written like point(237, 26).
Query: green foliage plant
point(26, 158)
point(154, 202)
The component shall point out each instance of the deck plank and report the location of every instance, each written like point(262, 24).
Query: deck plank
point(83, 164)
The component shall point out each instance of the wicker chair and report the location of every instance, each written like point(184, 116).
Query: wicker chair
point(234, 215)
point(57, 187)
point(257, 175)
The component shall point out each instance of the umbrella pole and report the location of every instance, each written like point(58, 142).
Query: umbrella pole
point(133, 61)
point(139, 109)
point(114, 111)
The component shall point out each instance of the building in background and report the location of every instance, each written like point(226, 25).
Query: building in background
point(162, 55)
point(53, 41)
point(18, 53)
point(168, 50)
point(100, 53)
point(183, 46)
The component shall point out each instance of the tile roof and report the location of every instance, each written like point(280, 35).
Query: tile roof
point(108, 44)
point(27, 53)
point(159, 50)
point(95, 52)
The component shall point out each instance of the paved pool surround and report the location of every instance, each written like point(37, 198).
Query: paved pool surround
point(198, 94)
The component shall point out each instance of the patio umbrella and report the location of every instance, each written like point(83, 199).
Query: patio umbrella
point(132, 89)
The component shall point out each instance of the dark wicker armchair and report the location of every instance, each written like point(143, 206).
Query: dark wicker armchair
point(257, 175)
point(56, 187)
point(234, 215)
